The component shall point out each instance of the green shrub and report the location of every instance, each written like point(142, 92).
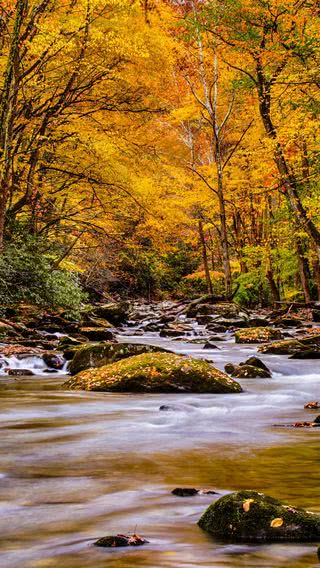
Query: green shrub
point(253, 289)
point(27, 275)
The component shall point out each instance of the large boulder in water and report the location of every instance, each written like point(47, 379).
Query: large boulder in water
point(113, 312)
point(251, 516)
point(156, 373)
point(95, 356)
point(257, 335)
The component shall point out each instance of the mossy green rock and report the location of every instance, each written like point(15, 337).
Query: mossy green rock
point(252, 516)
point(249, 372)
point(285, 347)
point(257, 335)
point(155, 373)
point(94, 356)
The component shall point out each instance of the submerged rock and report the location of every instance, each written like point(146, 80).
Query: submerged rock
point(95, 356)
point(156, 372)
point(251, 516)
point(257, 335)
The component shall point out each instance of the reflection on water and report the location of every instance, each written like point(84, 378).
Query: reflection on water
point(77, 466)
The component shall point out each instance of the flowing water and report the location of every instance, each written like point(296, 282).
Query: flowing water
point(77, 466)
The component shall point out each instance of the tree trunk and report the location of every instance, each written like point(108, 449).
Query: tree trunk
point(205, 258)
point(7, 113)
point(287, 177)
point(275, 294)
point(304, 271)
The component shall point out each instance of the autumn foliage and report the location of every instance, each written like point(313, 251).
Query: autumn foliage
point(165, 147)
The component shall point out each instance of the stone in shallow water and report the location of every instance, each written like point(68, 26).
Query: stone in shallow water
point(95, 356)
point(210, 345)
point(20, 372)
point(244, 371)
point(96, 333)
point(284, 347)
point(313, 405)
point(191, 491)
point(252, 516)
point(156, 372)
point(256, 362)
point(310, 354)
point(257, 335)
point(53, 360)
point(120, 540)
point(185, 491)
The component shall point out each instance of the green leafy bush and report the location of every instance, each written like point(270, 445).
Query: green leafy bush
point(253, 289)
point(27, 275)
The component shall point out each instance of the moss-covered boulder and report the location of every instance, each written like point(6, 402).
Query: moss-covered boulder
point(252, 516)
point(95, 356)
point(256, 362)
point(284, 347)
point(257, 335)
point(249, 372)
point(155, 373)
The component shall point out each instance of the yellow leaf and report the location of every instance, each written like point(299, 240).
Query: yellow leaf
point(276, 523)
point(247, 504)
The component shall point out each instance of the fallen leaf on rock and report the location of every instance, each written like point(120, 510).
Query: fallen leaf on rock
point(276, 523)
point(121, 540)
point(247, 504)
point(136, 540)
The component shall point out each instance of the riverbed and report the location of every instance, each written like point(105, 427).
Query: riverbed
point(77, 466)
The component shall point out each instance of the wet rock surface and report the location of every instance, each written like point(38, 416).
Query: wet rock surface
point(94, 356)
point(284, 347)
point(244, 371)
point(191, 492)
point(155, 372)
point(252, 516)
point(257, 335)
point(120, 540)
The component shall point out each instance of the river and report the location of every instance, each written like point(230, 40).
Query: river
point(77, 466)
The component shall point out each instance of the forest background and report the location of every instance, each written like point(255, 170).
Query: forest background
point(159, 149)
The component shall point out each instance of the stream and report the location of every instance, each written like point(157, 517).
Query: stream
point(76, 466)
